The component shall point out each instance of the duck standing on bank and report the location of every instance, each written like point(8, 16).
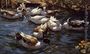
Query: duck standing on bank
point(28, 41)
point(54, 24)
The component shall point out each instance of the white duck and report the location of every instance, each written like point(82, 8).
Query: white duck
point(36, 11)
point(66, 24)
point(54, 24)
point(28, 11)
point(44, 12)
point(74, 24)
point(38, 31)
point(39, 19)
point(28, 41)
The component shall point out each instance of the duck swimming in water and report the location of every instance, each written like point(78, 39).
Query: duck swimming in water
point(10, 15)
point(74, 24)
point(36, 11)
point(39, 30)
point(39, 19)
point(37, 15)
point(54, 24)
point(28, 41)
point(39, 11)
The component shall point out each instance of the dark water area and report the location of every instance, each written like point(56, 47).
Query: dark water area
point(61, 42)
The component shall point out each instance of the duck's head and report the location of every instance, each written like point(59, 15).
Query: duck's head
point(18, 36)
point(24, 12)
point(70, 21)
point(28, 9)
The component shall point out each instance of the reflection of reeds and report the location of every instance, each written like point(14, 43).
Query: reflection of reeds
point(7, 3)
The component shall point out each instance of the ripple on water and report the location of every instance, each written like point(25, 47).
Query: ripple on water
point(8, 44)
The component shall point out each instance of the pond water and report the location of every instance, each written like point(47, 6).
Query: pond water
point(61, 42)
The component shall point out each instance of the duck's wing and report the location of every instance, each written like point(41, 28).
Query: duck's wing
point(44, 26)
point(25, 36)
point(36, 11)
point(53, 18)
point(44, 20)
point(37, 17)
point(52, 23)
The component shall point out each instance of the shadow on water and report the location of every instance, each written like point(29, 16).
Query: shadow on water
point(64, 45)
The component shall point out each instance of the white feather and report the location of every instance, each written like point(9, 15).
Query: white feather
point(39, 19)
point(54, 24)
point(36, 11)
